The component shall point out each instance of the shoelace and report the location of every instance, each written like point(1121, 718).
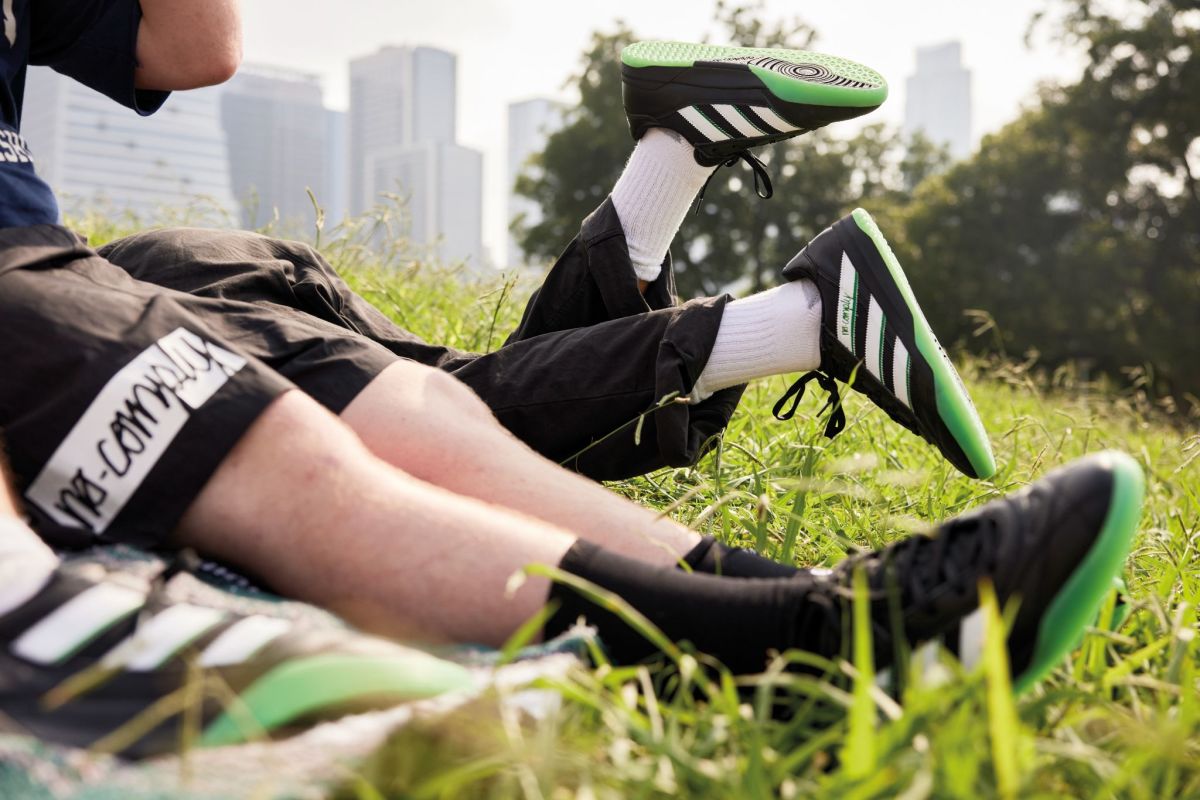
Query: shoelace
point(955, 558)
point(837, 417)
point(762, 179)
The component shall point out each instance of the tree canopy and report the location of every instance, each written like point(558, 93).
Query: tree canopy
point(1076, 228)
point(733, 236)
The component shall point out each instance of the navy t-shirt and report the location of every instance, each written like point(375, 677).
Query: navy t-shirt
point(92, 41)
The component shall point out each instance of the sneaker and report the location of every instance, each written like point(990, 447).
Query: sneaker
point(95, 656)
point(726, 100)
point(875, 338)
point(1053, 549)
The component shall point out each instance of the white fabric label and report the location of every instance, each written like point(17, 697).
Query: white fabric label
point(128, 427)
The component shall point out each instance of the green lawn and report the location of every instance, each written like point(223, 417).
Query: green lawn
point(1120, 717)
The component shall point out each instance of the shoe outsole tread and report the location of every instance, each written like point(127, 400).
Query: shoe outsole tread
point(812, 78)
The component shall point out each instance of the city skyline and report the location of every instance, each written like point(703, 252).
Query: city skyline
point(515, 51)
point(464, 116)
point(403, 140)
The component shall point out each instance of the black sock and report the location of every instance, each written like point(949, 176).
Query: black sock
point(736, 620)
point(713, 558)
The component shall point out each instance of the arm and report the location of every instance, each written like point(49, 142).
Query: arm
point(186, 44)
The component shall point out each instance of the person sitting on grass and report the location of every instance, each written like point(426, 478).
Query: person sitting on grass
point(227, 393)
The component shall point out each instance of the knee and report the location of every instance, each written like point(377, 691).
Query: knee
point(461, 399)
point(424, 394)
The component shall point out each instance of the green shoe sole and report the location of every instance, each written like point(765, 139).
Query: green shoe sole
point(792, 76)
point(1077, 604)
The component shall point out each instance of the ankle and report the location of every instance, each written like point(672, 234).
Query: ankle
point(714, 558)
point(653, 196)
point(776, 332)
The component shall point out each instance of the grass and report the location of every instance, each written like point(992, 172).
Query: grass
point(1120, 717)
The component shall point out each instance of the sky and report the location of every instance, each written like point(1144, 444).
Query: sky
point(509, 50)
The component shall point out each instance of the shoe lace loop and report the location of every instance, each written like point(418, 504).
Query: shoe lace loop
point(762, 179)
point(837, 417)
point(952, 561)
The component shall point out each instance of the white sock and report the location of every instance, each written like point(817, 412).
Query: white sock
point(653, 196)
point(772, 333)
point(26, 563)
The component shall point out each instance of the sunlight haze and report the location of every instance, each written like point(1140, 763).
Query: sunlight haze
point(511, 51)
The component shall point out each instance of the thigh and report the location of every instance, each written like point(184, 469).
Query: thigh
point(287, 277)
point(118, 400)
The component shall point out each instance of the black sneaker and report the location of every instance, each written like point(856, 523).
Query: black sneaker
point(874, 331)
point(1054, 548)
point(91, 652)
point(726, 100)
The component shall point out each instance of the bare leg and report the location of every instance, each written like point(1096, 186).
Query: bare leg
point(435, 428)
point(302, 503)
point(25, 561)
point(7, 508)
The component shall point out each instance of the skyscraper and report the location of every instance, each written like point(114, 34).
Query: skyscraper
point(337, 166)
point(278, 135)
point(402, 141)
point(530, 124)
point(398, 96)
point(938, 98)
point(99, 156)
point(440, 183)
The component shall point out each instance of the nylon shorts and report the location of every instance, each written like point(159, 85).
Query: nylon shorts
point(119, 398)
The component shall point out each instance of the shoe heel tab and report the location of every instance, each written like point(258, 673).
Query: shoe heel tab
point(800, 267)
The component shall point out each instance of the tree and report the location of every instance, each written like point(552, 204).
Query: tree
point(733, 235)
point(1078, 226)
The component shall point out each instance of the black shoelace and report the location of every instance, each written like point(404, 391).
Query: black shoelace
point(762, 179)
point(837, 417)
point(952, 561)
point(926, 578)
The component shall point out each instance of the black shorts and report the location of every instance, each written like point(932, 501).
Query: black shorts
point(119, 398)
point(129, 373)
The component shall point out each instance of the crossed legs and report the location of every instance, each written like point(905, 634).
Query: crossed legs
point(433, 427)
point(302, 502)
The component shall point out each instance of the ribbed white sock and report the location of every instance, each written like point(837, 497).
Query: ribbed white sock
point(25, 564)
point(771, 333)
point(653, 196)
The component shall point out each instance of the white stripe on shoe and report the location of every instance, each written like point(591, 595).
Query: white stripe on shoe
point(76, 622)
point(774, 120)
point(847, 308)
point(242, 640)
point(162, 636)
point(702, 124)
point(971, 634)
point(900, 368)
point(874, 345)
point(739, 122)
point(26, 564)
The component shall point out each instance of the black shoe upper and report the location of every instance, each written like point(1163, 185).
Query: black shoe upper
point(821, 262)
point(1027, 545)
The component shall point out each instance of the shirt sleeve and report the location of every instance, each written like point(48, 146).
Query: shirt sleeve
point(94, 42)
